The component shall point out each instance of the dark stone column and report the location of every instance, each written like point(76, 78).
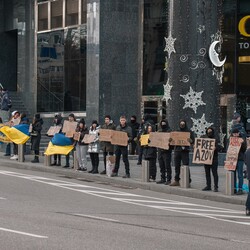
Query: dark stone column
point(194, 25)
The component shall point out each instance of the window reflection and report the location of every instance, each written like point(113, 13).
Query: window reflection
point(56, 14)
point(84, 11)
point(72, 7)
point(43, 16)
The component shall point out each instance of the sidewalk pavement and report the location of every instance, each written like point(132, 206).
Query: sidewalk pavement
point(197, 175)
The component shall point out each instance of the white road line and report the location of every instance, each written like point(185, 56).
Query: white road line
point(23, 233)
point(2, 198)
point(96, 217)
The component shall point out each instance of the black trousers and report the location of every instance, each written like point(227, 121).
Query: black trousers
point(94, 160)
point(164, 159)
point(152, 168)
point(140, 153)
point(181, 156)
point(15, 148)
point(105, 154)
point(214, 169)
point(59, 158)
point(121, 150)
point(133, 147)
point(248, 197)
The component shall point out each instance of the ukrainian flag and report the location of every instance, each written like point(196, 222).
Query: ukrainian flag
point(18, 134)
point(60, 144)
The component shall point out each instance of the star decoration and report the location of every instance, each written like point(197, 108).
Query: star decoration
point(222, 137)
point(200, 125)
point(167, 92)
point(193, 99)
point(170, 44)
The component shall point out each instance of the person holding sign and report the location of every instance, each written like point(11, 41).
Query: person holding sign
point(181, 153)
point(57, 122)
point(122, 150)
point(247, 162)
point(94, 147)
point(106, 146)
point(81, 147)
point(240, 162)
point(214, 166)
point(150, 155)
point(164, 157)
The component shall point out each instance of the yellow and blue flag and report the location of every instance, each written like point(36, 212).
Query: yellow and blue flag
point(60, 144)
point(18, 134)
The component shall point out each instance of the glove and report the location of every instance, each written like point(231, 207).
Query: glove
point(170, 139)
point(189, 140)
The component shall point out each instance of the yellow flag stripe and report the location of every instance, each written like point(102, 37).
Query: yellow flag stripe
point(61, 150)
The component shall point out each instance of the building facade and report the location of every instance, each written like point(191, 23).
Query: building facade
point(167, 58)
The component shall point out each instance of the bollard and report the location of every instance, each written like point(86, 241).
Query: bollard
point(20, 152)
point(230, 182)
point(145, 171)
point(184, 182)
point(47, 160)
point(75, 161)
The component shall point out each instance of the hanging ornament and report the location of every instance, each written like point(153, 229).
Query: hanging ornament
point(200, 126)
point(201, 28)
point(222, 138)
point(170, 44)
point(214, 56)
point(167, 92)
point(193, 99)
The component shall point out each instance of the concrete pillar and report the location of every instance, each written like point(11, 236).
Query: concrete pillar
point(230, 182)
point(184, 182)
point(75, 162)
point(20, 152)
point(145, 171)
point(47, 160)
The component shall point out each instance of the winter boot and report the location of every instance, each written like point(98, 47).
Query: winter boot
point(36, 159)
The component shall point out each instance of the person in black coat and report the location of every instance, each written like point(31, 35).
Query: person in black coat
point(214, 167)
point(150, 154)
point(164, 156)
point(247, 162)
point(36, 136)
point(135, 127)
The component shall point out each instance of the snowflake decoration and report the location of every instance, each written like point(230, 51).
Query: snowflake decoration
point(170, 44)
point(193, 99)
point(201, 28)
point(167, 92)
point(222, 138)
point(200, 125)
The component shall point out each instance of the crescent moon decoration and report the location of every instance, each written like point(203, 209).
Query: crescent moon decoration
point(214, 56)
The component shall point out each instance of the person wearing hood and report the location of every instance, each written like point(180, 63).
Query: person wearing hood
point(6, 101)
point(36, 136)
point(81, 147)
point(94, 147)
point(237, 124)
point(214, 167)
point(135, 127)
point(181, 154)
point(122, 150)
point(107, 147)
point(164, 156)
point(57, 122)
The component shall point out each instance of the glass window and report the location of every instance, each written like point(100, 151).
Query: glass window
point(43, 16)
point(56, 14)
point(72, 12)
point(84, 11)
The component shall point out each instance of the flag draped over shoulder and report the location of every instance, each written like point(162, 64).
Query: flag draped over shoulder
point(18, 134)
point(60, 144)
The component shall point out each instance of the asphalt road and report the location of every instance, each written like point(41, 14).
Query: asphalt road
point(47, 211)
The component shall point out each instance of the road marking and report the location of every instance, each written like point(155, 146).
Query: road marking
point(23, 233)
point(1, 198)
point(96, 217)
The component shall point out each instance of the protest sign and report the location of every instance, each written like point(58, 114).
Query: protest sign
point(76, 136)
point(88, 138)
point(69, 128)
point(119, 138)
point(180, 138)
point(159, 140)
point(105, 134)
point(144, 140)
point(203, 151)
point(53, 130)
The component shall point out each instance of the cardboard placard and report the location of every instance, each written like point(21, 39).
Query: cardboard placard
point(105, 134)
point(88, 138)
point(232, 153)
point(119, 138)
point(77, 136)
point(144, 140)
point(180, 138)
point(159, 140)
point(53, 130)
point(69, 128)
point(203, 151)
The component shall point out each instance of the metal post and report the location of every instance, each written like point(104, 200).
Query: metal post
point(230, 182)
point(184, 182)
point(75, 162)
point(20, 153)
point(145, 171)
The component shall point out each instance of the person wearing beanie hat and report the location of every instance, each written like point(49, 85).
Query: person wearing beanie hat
point(36, 136)
point(81, 147)
point(107, 147)
point(94, 147)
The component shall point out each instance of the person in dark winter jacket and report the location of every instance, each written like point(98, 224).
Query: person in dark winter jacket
point(58, 121)
point(6, 101)
point(81, 147)
point(36, 136)
point(181, 154)
point(239, 167)
point(214, 167)
point(237, 124)
point(122, 150)
point(107, 147)
point(164, 157)
point(139, 147)
point(135, 127)
point(150, 154)
point(247, 162)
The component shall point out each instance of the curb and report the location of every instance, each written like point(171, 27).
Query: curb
point(70, 173)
